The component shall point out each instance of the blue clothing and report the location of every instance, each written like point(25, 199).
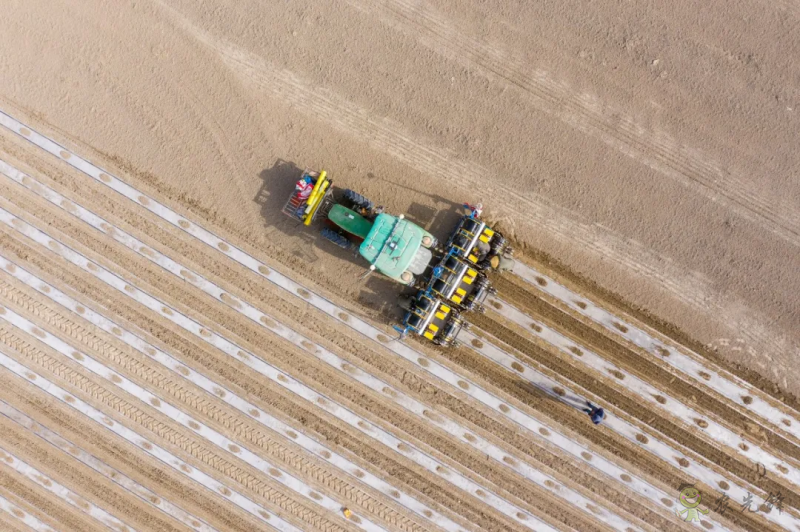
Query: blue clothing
point(595, 413)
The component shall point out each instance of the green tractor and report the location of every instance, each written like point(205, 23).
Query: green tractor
point(450, 281)
point(392, 245)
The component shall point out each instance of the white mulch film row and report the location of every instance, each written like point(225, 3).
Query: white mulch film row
point(248, 409)
point(63, 493)
point(366, 427)
point(117, 380)
point(161, 454)
point(104, 469)
point(410, 404)
point(15, 513)
point(665, 449)
point(692, 364)
point(648, 393)
point(640, 486)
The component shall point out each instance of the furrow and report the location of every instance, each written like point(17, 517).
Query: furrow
point(15, 513)
point(105, 470)
point(245, 408)
point(515, 415)
point(272, 324)
point(690, 366)
point(587, 358)
point(149, 448)
point(486, 496)
point(667, 450)
point(209, 434)
point(62, 492)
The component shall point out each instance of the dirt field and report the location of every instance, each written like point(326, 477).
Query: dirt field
point(177, 355)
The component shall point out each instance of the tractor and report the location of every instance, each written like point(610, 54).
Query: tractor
point(392, 245)
point(450, 281)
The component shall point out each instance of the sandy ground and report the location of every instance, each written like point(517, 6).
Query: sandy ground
point(640, 153)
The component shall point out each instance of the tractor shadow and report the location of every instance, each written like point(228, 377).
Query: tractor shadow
point(306, 243)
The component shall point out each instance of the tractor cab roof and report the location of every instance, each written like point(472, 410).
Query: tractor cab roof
point(391, 244)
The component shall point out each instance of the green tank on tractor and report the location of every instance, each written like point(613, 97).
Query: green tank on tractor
point(392, 245)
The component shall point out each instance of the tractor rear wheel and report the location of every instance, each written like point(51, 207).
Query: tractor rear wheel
point(336, 238)
point(357, 200)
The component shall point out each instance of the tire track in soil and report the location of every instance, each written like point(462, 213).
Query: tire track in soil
point(105, 483)
point(259, 318)
point(450, 473)
point(11, 343)
point(655, 149)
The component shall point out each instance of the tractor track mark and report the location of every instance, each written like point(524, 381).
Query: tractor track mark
point(655, 149)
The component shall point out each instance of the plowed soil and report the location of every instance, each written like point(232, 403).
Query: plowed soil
point(641, 154)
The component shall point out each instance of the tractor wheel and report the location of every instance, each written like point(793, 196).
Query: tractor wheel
point(357, 200)
point(336, 238)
